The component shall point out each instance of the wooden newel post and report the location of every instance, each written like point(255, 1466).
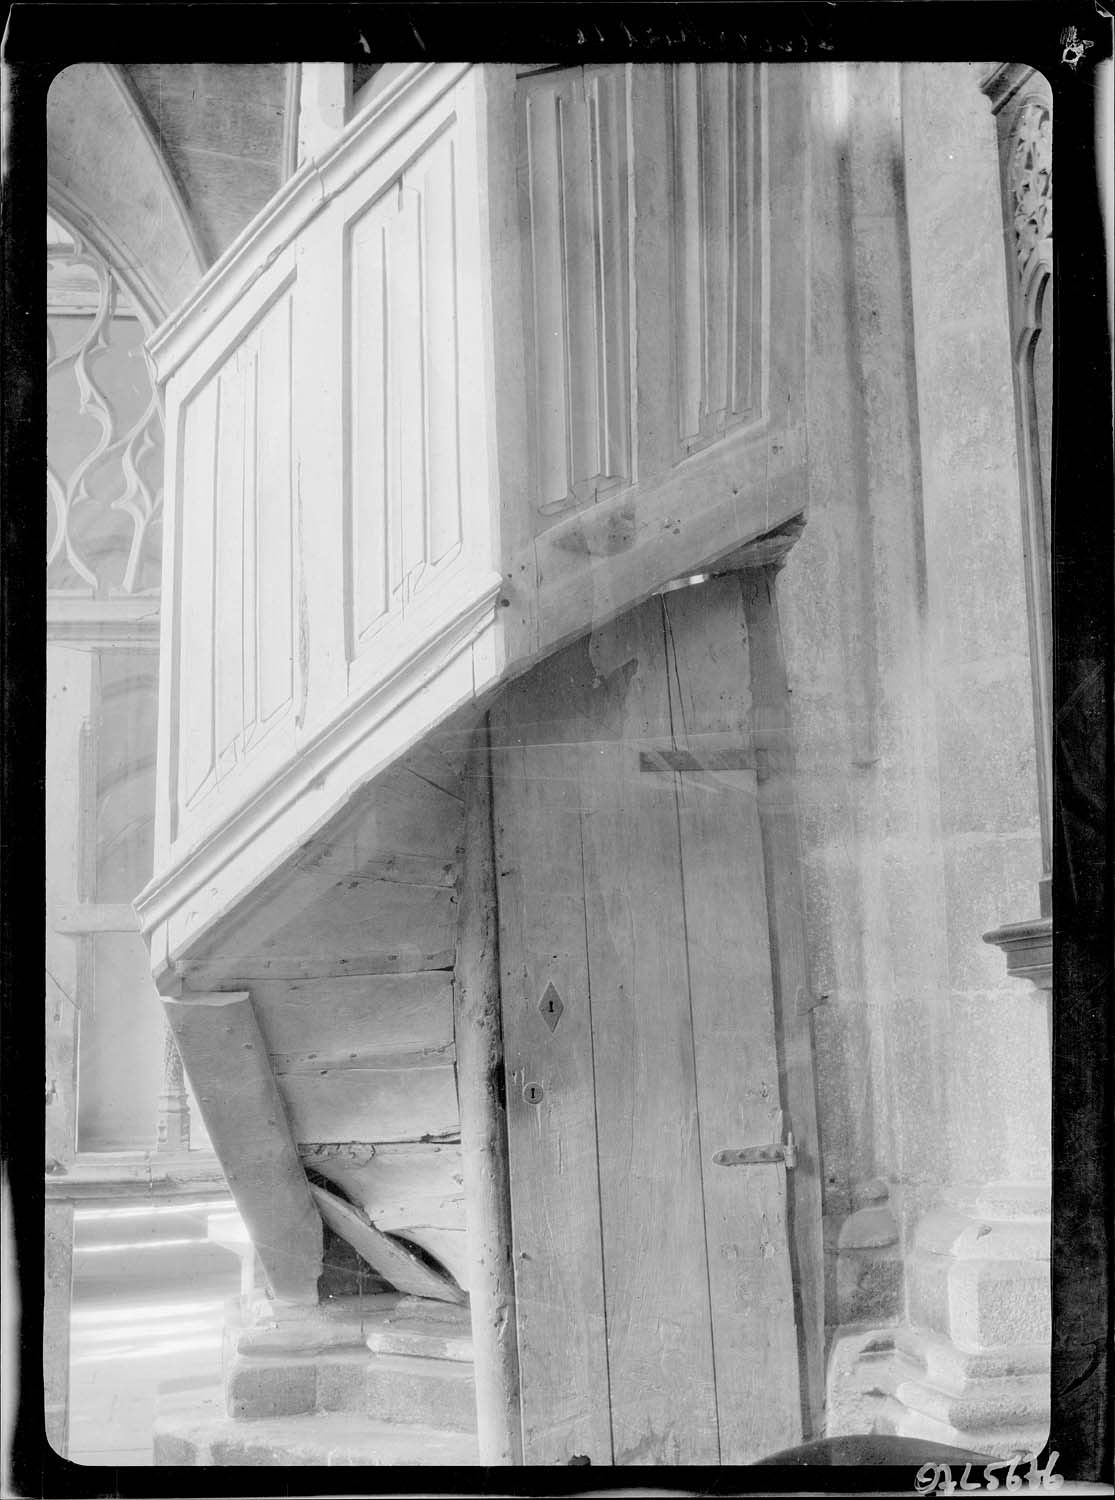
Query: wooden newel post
point(222, 1047)
point(480, 1084)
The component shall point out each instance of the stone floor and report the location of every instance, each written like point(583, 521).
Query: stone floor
point(130, 1345)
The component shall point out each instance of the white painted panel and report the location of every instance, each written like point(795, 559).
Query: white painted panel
point(548, 287)
point(578, 244)
point(575, 226)
point(195, 595)
point(229, 561)
point(368, 431)
point(251, 601)
point(717, 209)
point(274, 641)
point(335, 537)
point(406, 448)
point(717, 170)
point(405, 487)
point(608, 110)
point(746, 239)
point(688, 262)
point(442, 371)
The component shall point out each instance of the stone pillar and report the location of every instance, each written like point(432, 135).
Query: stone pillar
point(977, 1301)
point(1023, 108)
point(173, 1135)
point(853, 609)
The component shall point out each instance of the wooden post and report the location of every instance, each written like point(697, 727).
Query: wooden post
point(781, 837)
point(325, 90)
point(480, 1087)
point(226, 1058)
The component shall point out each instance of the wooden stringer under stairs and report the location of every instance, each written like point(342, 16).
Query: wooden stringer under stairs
point(332, 995)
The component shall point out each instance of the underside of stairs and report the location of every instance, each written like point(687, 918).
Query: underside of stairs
point(379, 1380)
point(317, 1022)
point(347, 958)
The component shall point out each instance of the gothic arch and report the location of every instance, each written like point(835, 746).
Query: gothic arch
point(115, 187)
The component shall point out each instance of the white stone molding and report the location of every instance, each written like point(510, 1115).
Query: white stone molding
point(126, 624)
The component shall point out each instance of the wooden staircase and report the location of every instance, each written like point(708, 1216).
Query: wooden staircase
point(346, 963)
point(347, 960)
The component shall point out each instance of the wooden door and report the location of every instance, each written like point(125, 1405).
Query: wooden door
point(655, 1305)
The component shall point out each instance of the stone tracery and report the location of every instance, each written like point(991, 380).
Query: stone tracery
point(105, 430)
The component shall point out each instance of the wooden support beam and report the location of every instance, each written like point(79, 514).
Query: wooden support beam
point(391, 1258)
point(480, 1087)
point(226, 1058)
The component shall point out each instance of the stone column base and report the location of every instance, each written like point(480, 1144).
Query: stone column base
point(970, 1363)
point(387, 1357)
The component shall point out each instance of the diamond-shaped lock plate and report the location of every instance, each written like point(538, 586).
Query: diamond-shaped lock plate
point(551, 1007)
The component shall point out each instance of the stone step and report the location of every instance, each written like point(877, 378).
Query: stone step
point(401, 1388)
point(996, 1442)
point(422, 1338)
point(323, 1439)
point(135, 1243)
point(982, 1404)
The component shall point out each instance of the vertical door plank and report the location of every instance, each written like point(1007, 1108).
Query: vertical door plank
point(734, 1034)
point(656, 1286)
point(790, 961)
point(552, 1144)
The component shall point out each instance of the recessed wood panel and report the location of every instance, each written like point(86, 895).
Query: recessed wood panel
point(404, 459)
point(573, 128)
point(715, 112)
point(271, 558)
point(195, 591)
point(236, 584)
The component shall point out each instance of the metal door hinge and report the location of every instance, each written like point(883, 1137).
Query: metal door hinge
point(750, 1156)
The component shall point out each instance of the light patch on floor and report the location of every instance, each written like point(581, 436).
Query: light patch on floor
point(128, 1352)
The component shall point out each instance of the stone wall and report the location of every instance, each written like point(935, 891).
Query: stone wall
point(904, 613)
